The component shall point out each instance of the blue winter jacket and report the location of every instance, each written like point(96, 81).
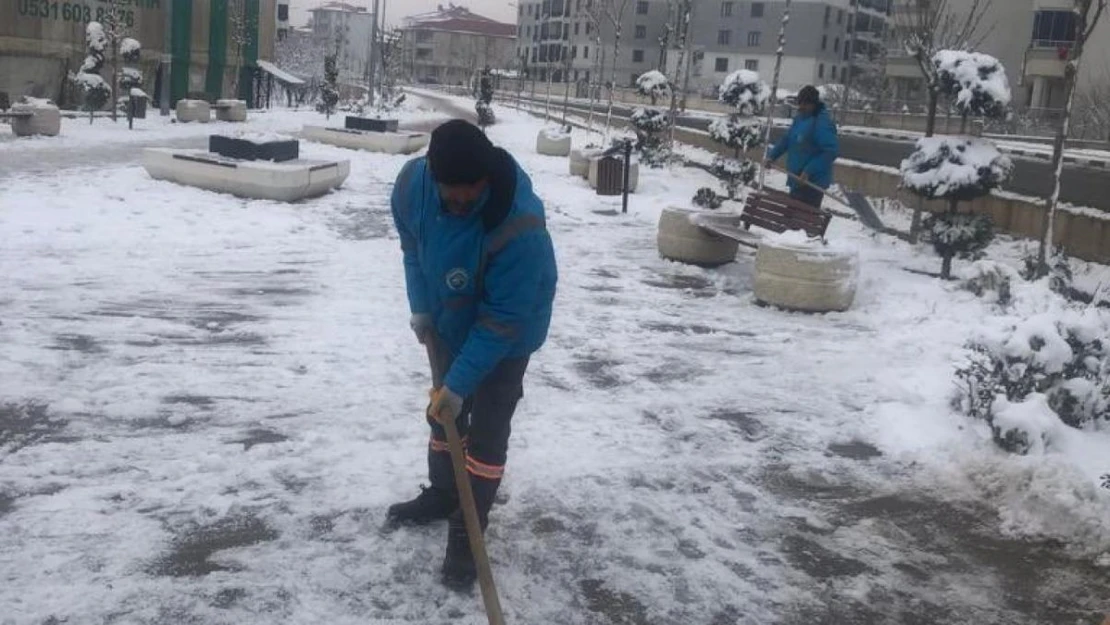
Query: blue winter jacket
point(487, 279)
point(811, 147)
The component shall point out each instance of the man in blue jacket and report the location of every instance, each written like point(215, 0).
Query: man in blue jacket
point(480, 273)
point(810, 146)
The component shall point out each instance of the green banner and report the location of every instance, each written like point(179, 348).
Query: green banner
point(180, 47)
point(218, 19)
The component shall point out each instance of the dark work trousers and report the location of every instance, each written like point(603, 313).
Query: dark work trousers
point(484, 426)
point(809, 195)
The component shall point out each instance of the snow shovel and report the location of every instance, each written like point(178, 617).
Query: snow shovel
point(857, 201)
point(466, 498)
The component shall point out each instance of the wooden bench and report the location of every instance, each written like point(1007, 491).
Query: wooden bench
point(770, 210)
point(778, 212)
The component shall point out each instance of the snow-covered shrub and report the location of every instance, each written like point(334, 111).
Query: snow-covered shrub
point(653, 85)
point(329, 92)
point(485, 113)
point(954, 168)
point(1063, 358)
point(744, 91)
point(990, 280)
point(708, 198)
point(734, 174)
point(976, 82)
point(95, 91)
point(649, 124)
point(1060, 276)
point(737, 132)
point(485, 97)
point(130, 79)
point(959, 235)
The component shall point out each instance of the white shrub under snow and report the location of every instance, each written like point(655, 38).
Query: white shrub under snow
point(736, 132)
point(744, 90)
point(976, 82)
point(954, 167)
point(95, 39)
point(652, 84)
point(129, 46)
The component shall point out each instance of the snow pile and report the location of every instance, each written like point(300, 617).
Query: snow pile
point(36, 102)
point(744, 90)
point(991, 280)
point(793, 238)
point(735, 131)
point(954, 167)
point(258, 136)
point(652, 84)
point(89, 82)
point(977, 82)
point(555, 133)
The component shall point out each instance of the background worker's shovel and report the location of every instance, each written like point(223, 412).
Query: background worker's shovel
point(855, 200)
point(466, 495)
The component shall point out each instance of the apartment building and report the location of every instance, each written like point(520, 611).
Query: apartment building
point(1030, 37)
point(348, 28)
point(566, 39)
point(450, 44)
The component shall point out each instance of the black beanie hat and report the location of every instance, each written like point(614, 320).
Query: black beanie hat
point(459, 153)
point(809, 95)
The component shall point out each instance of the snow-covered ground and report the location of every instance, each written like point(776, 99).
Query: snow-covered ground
point(207, 403)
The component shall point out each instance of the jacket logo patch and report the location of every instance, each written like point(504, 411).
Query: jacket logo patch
point(457, 279)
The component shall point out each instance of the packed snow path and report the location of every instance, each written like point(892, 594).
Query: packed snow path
point(207, 403)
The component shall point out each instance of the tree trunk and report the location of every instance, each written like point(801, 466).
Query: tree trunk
point(946, 267)
point(680, 67)
point(115, 78)
point(612, 82)
point(930, 130)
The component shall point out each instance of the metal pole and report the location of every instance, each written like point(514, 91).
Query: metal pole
point(627, 170)
point(775, 87)
point(167, 59)
point(851, 57)
point(381, 50)
point(373, 56)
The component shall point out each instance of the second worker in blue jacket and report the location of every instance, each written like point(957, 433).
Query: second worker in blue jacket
point(480, 274)
point(811, 146)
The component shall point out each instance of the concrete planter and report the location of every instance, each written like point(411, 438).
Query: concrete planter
point(550, 143)
point(370, 124)
point(809, 278)
point(580, 161)
point(682, 241)
point(633, 175)
point(44, 119)
point(388, 142)
point(285, 182)
point(231, 110)
point(193, 111)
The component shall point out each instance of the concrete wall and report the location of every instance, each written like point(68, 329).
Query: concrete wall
point(1082, 236)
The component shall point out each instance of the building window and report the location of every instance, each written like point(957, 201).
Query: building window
point(753, 39)
point(824, 42)
point(543, 54)
point(423, 53)
point(529, 10)
point(576, 26)
point(1053, 29)
point(757, 9)
point(574, 52)
point(566, 32)
point(641, 31)
point(556, 32)
point(720, 64)
point(423, 36)
point(828, 12)
point(527, 31)
point(821, 70)
point(642, 8)
point(585, 52)
point(637, 56)
point(836, 45)
point(283, 12)
point(752, 65)
point(521, 10)
point(847, 51)
point(726, 9)
point(834, 72)
point(589, 27)
point(724, 37)
point(840, 16)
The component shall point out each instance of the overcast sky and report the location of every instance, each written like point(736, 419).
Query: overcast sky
point(502, 10)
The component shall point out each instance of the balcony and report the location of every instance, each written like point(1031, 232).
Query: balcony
point(1047, 58)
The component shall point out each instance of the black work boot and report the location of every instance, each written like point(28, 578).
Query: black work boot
point(459, 570)
point(432, 504)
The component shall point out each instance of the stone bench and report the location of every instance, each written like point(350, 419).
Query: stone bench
point(193, 111)
point(387, 142)
point(34, 118)
point(286, 181)
point(231, 110)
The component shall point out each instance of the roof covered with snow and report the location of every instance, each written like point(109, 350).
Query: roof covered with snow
point(459, 19)
point(340, 6)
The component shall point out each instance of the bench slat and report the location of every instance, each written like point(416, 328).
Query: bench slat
point(791, 221)
point(793, 206)
point(777, 211)
point(806, 218)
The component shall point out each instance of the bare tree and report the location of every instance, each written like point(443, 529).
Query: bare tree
point(241, 29)
point(683, 12)
point(1092, 110)
point(924, 27)
point(114, 22)
point(594, 20)
point(613, 10)
point(1087, 14)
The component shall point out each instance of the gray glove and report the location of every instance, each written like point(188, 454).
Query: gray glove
point(446, 405)
point(421, 324)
